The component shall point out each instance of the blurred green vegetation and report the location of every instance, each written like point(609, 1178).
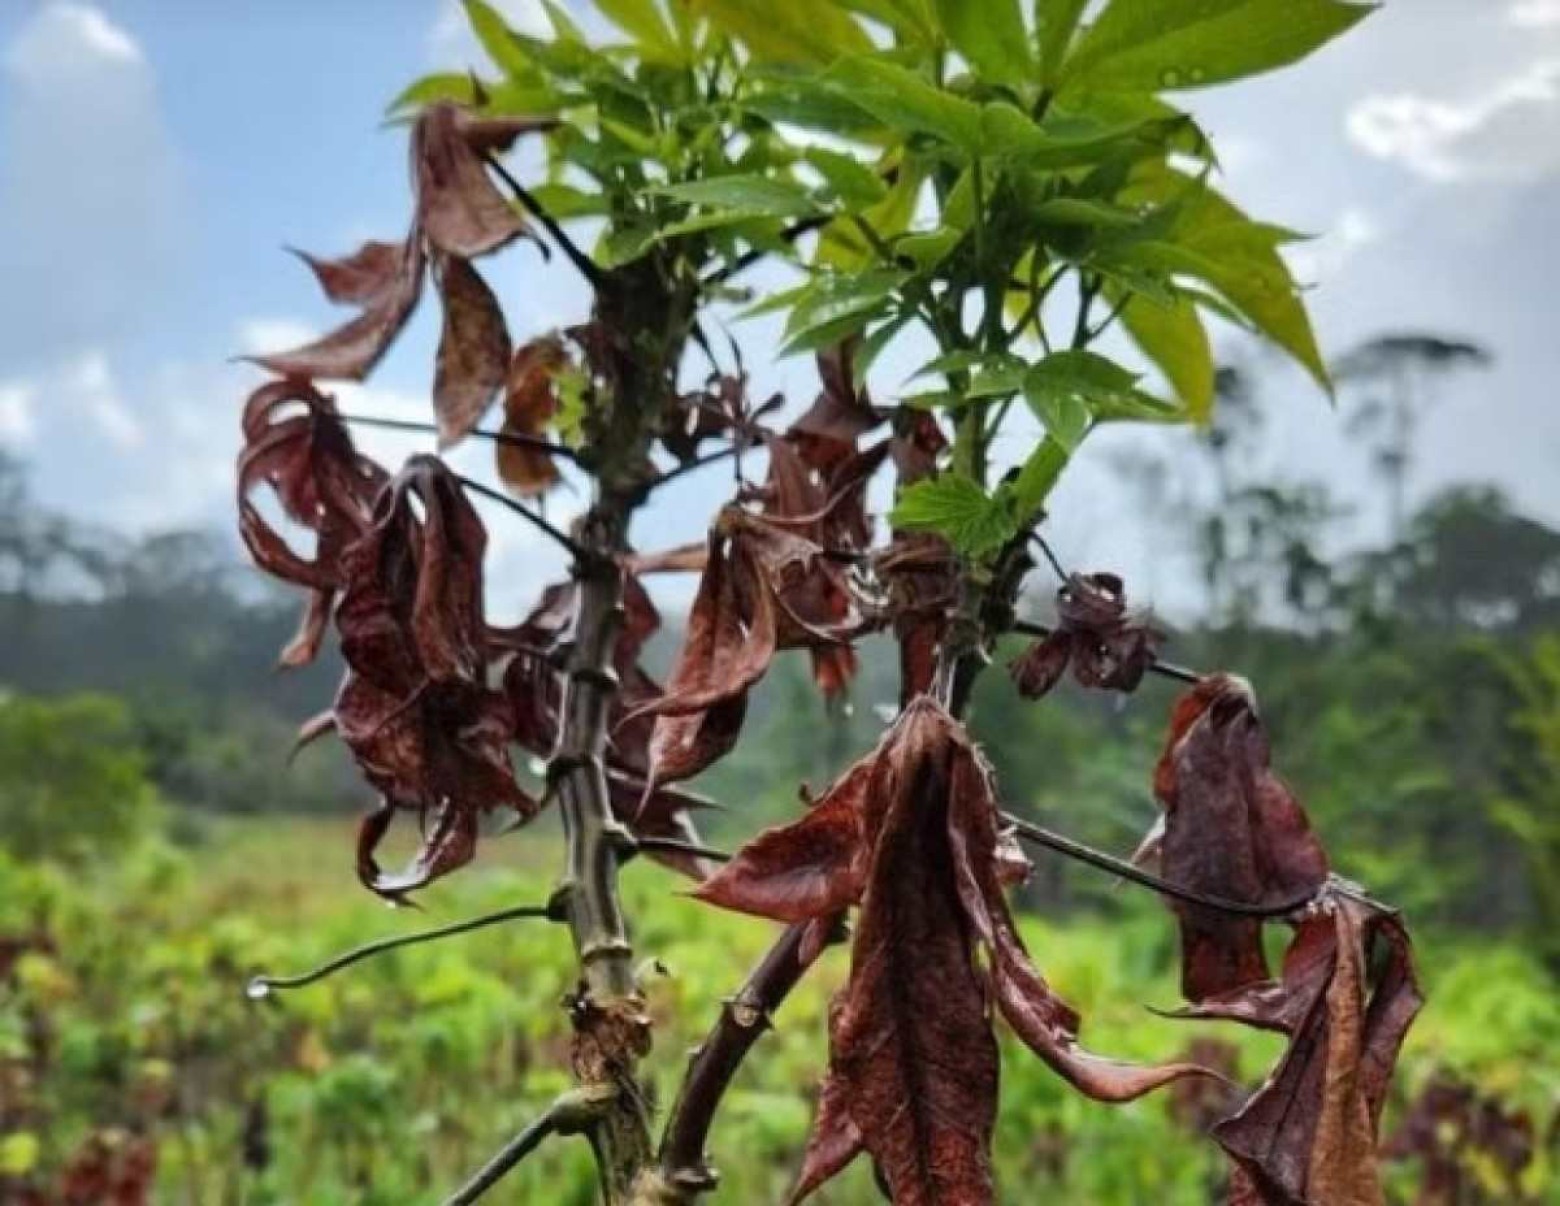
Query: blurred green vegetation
point(156, 851)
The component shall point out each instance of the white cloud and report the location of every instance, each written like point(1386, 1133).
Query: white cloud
point(66, 37)
point(451, 43)
point(1534, 14)
point(1324, 259)
point(1505, 133)
point(16, 411)
point(88, 387)
point(90, 175)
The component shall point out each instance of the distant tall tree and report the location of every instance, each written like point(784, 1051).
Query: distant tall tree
point(1395, 375)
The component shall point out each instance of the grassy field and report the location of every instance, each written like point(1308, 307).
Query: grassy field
point(123, 1016)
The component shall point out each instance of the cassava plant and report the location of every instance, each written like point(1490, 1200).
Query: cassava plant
point(1003, 187)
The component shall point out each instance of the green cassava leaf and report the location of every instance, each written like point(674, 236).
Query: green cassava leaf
point(843, 246)
point(811, 32)
point(832, 299)
point(873, 346)
point(1153, 45)
point(457, 86)
point(956, 508)
point(851, 180)
point(1213, 241)
point(912, 20)
point(644, 22)
point(1174, 339)
point(1082, 211)
point(1055, 23)
point(930, 247)
point(565, 201)
point(751, 194)
point(990, 34)
point(496, 38)
point(1068, 390)
point(906, 101)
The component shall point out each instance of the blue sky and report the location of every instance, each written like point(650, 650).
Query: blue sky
point(155, 156)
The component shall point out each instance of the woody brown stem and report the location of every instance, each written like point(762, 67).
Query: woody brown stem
point(643, 318)
point(684, 1173)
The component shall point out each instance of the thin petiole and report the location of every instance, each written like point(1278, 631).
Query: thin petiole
point(263, 986)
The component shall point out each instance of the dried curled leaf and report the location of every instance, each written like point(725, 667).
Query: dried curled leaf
point(459, 215)
point(911, 834)
point(473, 355)
point(323, 483)
point(920, 575)
point(763, 589)
point(459, 210)
point(384, 280)
point(530, 402)
point(828, 431)
point(1106, 646)
point(1308, 1137)
point(414, 708)
point(1232, 829)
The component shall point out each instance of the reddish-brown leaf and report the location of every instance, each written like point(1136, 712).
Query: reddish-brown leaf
point(1232, 829)
point(323, 483)
point(921, 578)
point(460, 211)
point(385, 287)
point(807, 869)
point(1106, 646)
point(1041, 666)
point(916, 444)
point(473, 351)
point(827, 433)
point(359, 278)
point(459, 214)
point(911, 833)
point(530, 402)
point(1308, 1137)
point(763, 589)
point(414, 707)
point(833, 1144)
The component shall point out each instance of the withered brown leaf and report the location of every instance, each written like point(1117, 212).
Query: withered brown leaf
point(474, 350)
point(459, 209)
point(295, 443)
point(458, 215)
point(1232, 829)
point(912, 834)
point(530, 402)
point(414, 707)
point(841, 414)
point(1106, 646)
point(1308, 1137)
point(763, 589)
point(386, 287)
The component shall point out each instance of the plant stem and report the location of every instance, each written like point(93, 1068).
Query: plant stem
point(572, 546)
point(262, 986)
point(586, 266)
point(513, 439)
point(612, 1032)
point(1087, 854)
point(684, 1172)
point(576, 1111)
